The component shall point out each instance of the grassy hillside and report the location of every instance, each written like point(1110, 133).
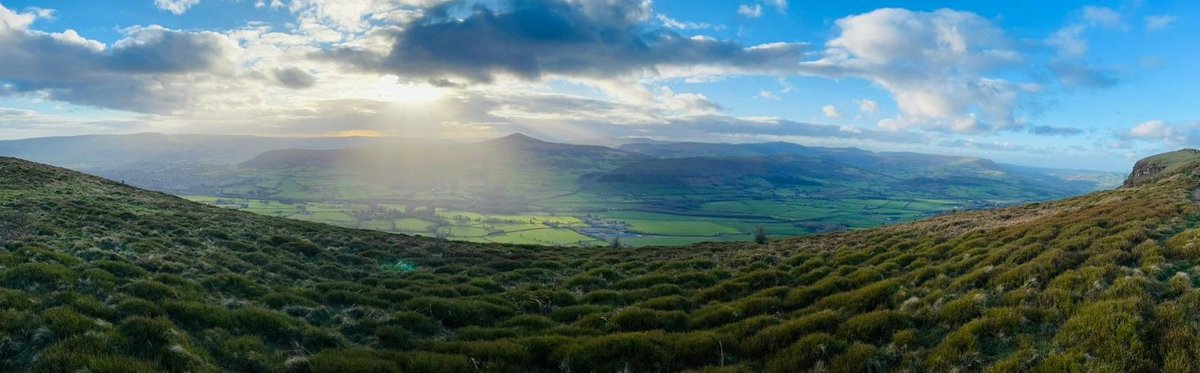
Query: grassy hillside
point(104, 277)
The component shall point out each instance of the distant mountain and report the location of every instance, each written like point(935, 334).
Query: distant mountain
point(613, 141)
point(92, 152)
point(663, 149)
point(785, 169)
point(513, 150)
point(929, 172)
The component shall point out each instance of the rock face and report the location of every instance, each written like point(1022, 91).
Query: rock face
point(1150, 168)
point(1142, 172)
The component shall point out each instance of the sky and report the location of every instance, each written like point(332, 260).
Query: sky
point(1062, 84)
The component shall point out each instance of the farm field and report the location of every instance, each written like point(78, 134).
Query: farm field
point(520, 190)
point(578, 219)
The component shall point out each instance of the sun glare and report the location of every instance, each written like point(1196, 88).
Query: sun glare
point(390, 89)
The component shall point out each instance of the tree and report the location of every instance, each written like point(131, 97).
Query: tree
point(760, 235)
point(615, 243)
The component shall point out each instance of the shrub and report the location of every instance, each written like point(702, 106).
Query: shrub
point(66, 322)
point(859, 357)
point(646, 351)
point(640, 319)
point(806, 353)
point(1113, 332)
point(235, 285)
point(122, 269)
point(713, 316)
point(455, 313)
point(139, 307)
point(874, 326)
point(774, 338)
point(351, 361)
point(570, 314)
point(152, 290)
point(37, 275)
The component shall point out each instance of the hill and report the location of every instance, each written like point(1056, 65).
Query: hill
point(518, 189)
point(99, 276)
point(1159, 165)
point(107, 152)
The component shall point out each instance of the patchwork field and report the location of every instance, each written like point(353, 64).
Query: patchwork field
point(637, 217)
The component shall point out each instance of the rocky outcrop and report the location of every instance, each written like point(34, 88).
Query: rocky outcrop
point(1151, 168)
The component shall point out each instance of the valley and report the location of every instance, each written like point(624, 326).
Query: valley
point(522, 190)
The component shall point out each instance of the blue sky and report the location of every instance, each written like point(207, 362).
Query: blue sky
point(1092, 85)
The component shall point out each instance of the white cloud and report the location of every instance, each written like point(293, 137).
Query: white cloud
point(935, 65)
point(1156, 130)
point(1069, 64)
point(831, 112)
point(868, 107)
point(669, 22)
point(1103, 17)
point(764, 94)
point(1159, 22)
point(780, 6)
point(685, 103)
point(176, 7)
point(10, 20)
point(750, 11)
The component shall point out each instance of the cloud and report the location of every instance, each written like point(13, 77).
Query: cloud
point(831, 112)
point(176, 7)
point(672, 23)
point(1159, 22)
point(155, 49)
point(294, 77)
point(1004, 146)
point(942, 68)
point(750, 11)
point(10, 20)
point(780, 6)
point(1054, 130)
point(1102, 17)
point(1071, 47)
point(687, 103)
point(533, 39)
point(868, 107)
point(151, 69)
point(764, 94)
point(1159, 130)
point(1083, 75)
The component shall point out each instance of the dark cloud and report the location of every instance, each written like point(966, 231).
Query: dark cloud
point(134, 74)
point(1054, 131)
point(534, 38)
point(294, 77)
point(158, 50)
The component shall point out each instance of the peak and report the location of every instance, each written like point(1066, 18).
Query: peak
point(518, 138)
point(1156, 166)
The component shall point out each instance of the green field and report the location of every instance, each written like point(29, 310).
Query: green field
point(646, 216)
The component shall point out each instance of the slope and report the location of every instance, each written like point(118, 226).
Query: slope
point(104, 277)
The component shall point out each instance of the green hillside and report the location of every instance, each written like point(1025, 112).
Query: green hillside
point(101, 277)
